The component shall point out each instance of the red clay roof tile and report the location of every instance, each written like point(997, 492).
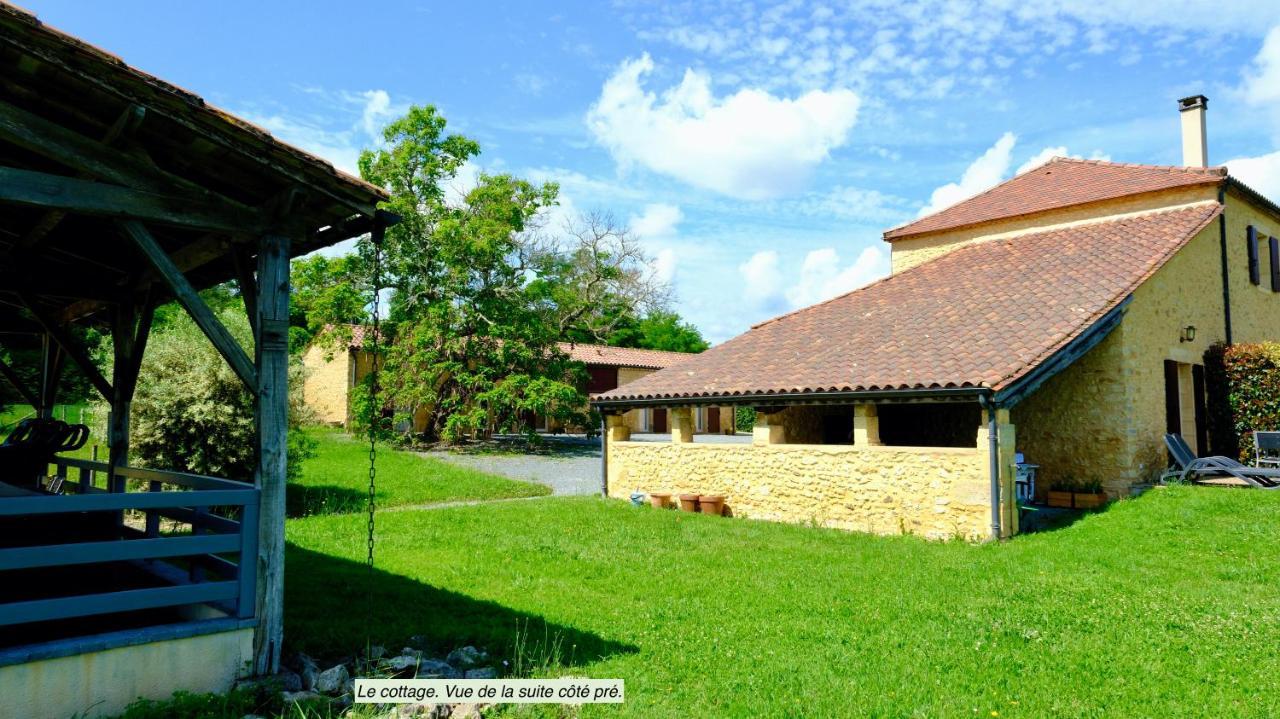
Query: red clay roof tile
point(1061, 182)
point(623, 356)
point(981, 316)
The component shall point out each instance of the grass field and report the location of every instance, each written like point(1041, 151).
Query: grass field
point(1160, 606)
point(336, 479)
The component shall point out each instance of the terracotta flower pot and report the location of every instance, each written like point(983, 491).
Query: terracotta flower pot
point(688, 502)
point(711, 504)
point(661, 500)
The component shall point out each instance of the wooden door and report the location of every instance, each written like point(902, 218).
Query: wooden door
point(713, 420)
point(660, 420)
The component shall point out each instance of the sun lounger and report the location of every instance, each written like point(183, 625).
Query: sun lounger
point(1199, 469)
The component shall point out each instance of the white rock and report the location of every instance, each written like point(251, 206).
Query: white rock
point(332, 680)
point(466, 657)
point(482, 673)
point(295, 697)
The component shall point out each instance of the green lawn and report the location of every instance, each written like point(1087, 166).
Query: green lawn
point(1161, 606)
point(336, 479)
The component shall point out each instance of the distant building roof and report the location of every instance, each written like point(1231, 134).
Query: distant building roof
point(1061, 182)
point(981, 316)
point(623, 356)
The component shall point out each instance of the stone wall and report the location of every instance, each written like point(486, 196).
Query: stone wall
point(327, 383)
point(937, 493)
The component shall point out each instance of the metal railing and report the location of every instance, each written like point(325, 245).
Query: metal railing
point(207, 518)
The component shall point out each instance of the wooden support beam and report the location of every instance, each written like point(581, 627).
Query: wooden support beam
point(272, 354)
point(16, 382)
point(56, 192)
point(248, 287)
point(69, 345)
point(190, 300)
point(124, 126)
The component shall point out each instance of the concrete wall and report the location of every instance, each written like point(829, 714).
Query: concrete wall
point(326, 388)
point(103, 683)
point(911, 251)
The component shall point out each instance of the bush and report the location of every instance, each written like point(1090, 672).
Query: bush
point(1243, 383)
point(191, 413)
point(744, 418)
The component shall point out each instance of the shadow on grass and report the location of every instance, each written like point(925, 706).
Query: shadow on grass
point(327, 600)
point(1038, 518)
point(308, 500)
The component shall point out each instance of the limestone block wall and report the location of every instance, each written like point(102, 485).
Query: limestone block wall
point(937, 493)
point(1104, 417)
point(328, 377)
point(1255, 309)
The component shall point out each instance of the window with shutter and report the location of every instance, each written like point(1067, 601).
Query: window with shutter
point(1255, 274)
point(1273, 245)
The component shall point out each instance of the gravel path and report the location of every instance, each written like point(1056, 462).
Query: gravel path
point(566, 464)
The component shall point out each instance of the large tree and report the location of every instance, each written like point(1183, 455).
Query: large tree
point(473, 351)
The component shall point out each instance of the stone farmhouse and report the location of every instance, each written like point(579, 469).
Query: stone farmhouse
point(1062, 315)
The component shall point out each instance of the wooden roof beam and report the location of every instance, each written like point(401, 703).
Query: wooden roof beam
point(69, 345)
point(56, 192)
point(187, 296)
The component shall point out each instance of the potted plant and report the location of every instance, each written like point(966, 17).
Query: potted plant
point(688, 502)
point(711, 504)
point(1060, 493)
point(1089, 495)
point(661, 500)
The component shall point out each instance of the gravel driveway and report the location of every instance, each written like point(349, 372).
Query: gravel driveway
point(567, 464)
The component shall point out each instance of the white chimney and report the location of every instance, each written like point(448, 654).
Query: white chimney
point(1195, 144)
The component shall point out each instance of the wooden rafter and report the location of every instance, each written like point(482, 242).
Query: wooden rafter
point(69, 345)
point(190, 300)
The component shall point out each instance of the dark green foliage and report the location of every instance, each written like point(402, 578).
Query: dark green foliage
point(658, 330)
point(744, 418)
point(327, 291)
point(1243, 384)
point(191, 413)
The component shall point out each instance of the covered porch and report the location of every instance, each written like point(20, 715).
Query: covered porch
point(120, 193)
point(939, 465)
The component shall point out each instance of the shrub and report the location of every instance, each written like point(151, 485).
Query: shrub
point(1243, 383)
point(191, 412)
point(744, 418)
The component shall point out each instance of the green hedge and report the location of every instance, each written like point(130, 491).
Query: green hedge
point(1243, 383)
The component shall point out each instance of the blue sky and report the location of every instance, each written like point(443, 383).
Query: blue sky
point(759, 149)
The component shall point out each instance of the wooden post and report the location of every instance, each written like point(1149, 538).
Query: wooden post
point(272, 363)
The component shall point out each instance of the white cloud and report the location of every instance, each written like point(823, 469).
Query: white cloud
point(1049, 153)
point(664, 265)
point(763, 280)
point(358, 122)
point(981, 174)
point(658, 220)
point(748, 145)
point(1262, 80)
point(1261, 173)
point(822, 278)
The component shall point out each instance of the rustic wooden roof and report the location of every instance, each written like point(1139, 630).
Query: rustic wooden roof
point(86, 140)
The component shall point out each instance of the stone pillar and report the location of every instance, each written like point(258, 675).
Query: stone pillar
point(866, 425)
point(681, 424)
point(768, 429)
point(616, 425)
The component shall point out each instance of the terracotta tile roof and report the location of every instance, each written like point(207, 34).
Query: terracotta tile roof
point(359, 334)
point(623, 356)
point(1061, 182)
point(980, 316)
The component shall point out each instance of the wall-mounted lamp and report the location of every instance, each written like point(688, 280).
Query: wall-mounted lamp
point(1188, 334)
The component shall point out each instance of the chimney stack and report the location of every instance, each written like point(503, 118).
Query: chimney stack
point(1195, 144)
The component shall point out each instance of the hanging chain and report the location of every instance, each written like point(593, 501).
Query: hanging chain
point(375, 416)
